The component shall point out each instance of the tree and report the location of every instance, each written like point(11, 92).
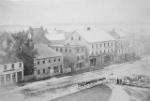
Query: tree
point(25, 51)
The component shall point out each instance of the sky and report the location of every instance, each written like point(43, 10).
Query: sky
point(43, 12)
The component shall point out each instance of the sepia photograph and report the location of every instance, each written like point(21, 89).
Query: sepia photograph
point(74, 50)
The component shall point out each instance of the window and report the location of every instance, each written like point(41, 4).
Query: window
point(71, 38)
point(13, 76)
point(92, 46)
point(12, 66)
point(54, 60)
point(7, 77)
point(79, 38)
point(78, 58)
point(44, 71)
point(56, 49)
point(65, 49)
point(61, 50)
point(49, 67)
point(59, 59)
point(5, 67)
point(38, 72)
point(88, 28)
point(38, 62)
point(43, 61)
point(49, 60)
point(77, 49)
point(20, 64)
point(56, 69)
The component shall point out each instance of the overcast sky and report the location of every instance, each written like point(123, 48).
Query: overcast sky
point(37, 12)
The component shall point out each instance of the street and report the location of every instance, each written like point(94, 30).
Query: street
point(98, 93)
point(103, 92)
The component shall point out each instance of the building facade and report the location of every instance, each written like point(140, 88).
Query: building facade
point(99, 45)
point(102, 52)
point(11, 71)
point(47, 62)
point(74, 56)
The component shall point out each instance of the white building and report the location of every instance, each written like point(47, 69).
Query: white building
point(11, 70)
point(98, 42)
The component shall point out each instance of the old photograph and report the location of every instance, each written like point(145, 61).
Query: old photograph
point(74, 50)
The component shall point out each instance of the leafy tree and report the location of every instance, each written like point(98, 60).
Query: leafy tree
point(25, 51)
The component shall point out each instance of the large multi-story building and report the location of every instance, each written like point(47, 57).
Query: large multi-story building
point(47, 62)
point(74, 56)
point(99, 43)
point(102, 52)
point(11, 69)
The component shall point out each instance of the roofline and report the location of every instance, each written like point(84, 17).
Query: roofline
point(10, 62)
point(48, 57)
point(102, 41)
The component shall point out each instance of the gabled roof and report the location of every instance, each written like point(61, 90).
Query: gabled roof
point(58, 36)
point(95, 35)
point(43, 51)
point(90, 35)
point(55, 36)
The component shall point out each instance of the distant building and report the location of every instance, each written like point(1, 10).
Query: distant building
point(37, 35)
point(102, 52)
point(47, 62)
point(11, 69)
point(100, 45)
point(74, 56)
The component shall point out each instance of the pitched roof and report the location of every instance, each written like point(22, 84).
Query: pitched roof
point(55, 36)
point(58, 36)
point(91, 34)
point(95, 35)
point(43, 51)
